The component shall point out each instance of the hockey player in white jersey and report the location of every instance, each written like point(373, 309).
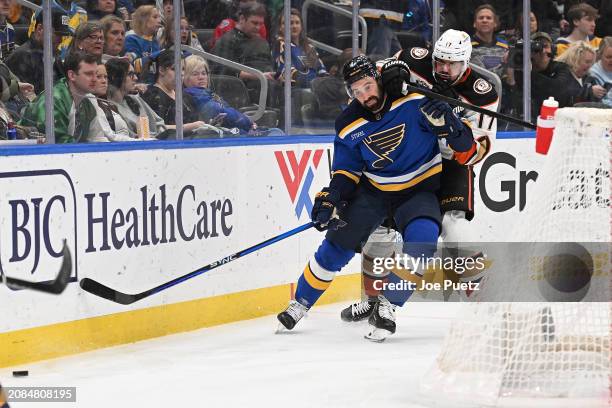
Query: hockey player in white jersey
point(446, 71)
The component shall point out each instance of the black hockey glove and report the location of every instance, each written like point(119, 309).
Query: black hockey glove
point(393, 75)
point(445, 124)
point(324, 211)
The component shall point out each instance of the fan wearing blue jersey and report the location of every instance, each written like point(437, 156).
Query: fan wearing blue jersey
point(387, 163)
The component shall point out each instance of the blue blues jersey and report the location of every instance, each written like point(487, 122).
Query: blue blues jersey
point(142, 50)
point(392, 151)
point(77, 15)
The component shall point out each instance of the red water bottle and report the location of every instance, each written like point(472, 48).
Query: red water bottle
point(546, 125)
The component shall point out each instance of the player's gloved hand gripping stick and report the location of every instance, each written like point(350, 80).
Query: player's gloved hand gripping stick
point(324, 212)
point(456, 102)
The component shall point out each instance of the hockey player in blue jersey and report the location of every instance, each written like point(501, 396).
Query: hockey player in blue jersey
point(447, 71)
point(387, 162)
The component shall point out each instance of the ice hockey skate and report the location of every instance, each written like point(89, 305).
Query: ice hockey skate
point(382, 321)
point(289, 318)
point(358, 311)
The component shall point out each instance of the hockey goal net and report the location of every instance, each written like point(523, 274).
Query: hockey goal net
point(543, 354)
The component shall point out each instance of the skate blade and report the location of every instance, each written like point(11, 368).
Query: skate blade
point(280, 329)
point(377, 335)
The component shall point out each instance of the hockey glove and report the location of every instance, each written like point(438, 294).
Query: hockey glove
point(444, 123)
point(324, 211)
point(393, 75)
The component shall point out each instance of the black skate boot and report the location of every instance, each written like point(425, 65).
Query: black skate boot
point(359, 310)
point(382, 321)
point(289, 318)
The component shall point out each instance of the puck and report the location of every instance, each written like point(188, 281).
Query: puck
point(22, 373)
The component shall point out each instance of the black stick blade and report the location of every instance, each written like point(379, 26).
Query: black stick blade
point(55, 286)
point(103, 291)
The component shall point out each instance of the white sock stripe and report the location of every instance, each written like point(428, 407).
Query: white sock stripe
point(319, 272)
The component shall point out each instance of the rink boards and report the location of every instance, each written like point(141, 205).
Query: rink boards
point(136, 215)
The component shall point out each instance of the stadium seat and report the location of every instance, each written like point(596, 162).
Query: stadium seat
point(232, 89)
point(299, 98)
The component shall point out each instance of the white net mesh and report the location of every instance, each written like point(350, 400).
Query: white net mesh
point(542, 354)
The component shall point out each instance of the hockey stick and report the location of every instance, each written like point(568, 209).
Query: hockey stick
point(55, 286)
point(98, 289)
point(455, 102)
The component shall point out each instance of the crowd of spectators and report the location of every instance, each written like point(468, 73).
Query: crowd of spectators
point(114, 77)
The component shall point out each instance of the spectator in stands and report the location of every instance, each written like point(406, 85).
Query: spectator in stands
point(489, 51)
point(97, 9)
point(548, 78)
point(26, 62)
point(10, 86)
point(517, 33)
point(108, 125)
point(19, 15)
point(89, 37)
point(167, 8)
point(417, 19)
point(305, 62)
point(548, 17)
point(228, 24)
point(7, 32)
point(602, 70)
point(188, 37)
point(212, 107)
point(114, 37)
point(70, 120)
point(130, 105)
point(161, 96)
point(141, 45)
point(77, 15)
point(244, 45)
point(128, 5)
point(580, 57)
point(330, 91)
point(604, 22)
point(581, 20)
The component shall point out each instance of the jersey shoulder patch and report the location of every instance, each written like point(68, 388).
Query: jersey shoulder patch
point(477, 90)
point(482, 86)
point(419, 61)
point(418, 53)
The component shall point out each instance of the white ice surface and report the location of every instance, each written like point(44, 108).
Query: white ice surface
point(324, 362)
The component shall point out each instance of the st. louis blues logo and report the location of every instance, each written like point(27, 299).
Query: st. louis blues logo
point(382, 144)
point(298, 175)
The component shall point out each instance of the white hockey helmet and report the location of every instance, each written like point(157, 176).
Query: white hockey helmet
point(455, 46)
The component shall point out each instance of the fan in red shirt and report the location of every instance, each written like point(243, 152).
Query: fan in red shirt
point(228, 24)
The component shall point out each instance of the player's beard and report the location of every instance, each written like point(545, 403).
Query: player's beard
point(372, 103)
